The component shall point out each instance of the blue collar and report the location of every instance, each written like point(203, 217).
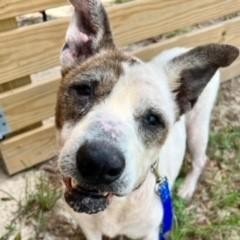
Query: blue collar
point(164, 193)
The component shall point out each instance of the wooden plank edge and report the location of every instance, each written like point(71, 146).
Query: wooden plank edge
point(28, 149)
point(17, 8)
point(28, 105)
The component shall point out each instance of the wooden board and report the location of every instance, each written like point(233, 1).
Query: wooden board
point(36, 48)
point(30, 104)
point(6, 25)
point(142, 19)
point(30, 50)
point(36, 102)
point(39, 145)
point(29, 149)
point(13, 8)
point(224, 32)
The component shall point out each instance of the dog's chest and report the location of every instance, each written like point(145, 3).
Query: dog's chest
point(134, 216)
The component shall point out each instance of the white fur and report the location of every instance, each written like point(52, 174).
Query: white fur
point(126, 215)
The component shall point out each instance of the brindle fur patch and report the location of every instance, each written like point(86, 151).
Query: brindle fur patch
point(189, 90)
point(196, 68)
point(102, 72)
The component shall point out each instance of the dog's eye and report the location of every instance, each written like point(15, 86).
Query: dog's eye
point(83, 89)
point(153, 120)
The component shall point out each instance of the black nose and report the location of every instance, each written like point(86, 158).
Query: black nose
point(99, 162)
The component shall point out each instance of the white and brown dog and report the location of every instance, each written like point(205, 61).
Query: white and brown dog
point(117, 116)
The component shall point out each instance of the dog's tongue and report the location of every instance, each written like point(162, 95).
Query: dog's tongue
point(83, 201)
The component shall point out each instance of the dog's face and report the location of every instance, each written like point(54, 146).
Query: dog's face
point(114, 115)
point(114, 112)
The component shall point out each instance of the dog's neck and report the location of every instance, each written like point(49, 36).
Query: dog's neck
point(148, 185)
point(143, 200)
point(144, 193)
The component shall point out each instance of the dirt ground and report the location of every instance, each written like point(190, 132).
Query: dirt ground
point(227, 111)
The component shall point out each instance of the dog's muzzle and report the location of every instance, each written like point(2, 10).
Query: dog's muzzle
point(99, 165)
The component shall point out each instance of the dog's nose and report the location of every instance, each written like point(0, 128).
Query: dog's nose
point(99, 162)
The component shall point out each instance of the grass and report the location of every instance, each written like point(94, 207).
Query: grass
point(224, 142)
point(215, 210)
point(32, 209)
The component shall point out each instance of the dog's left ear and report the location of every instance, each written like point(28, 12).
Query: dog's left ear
point(192, 71)
point(88, 33)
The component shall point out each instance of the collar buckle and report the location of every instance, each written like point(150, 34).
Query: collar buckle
point(159, 179)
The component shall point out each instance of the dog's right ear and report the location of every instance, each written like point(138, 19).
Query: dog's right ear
point(88, 33)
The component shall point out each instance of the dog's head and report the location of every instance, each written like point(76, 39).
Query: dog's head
point(114, 112)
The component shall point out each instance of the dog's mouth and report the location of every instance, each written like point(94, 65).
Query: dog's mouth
point(83, 200)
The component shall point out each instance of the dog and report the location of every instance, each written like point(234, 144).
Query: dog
point(118, 118)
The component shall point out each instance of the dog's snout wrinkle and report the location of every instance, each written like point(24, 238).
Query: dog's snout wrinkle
point(99, 162)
